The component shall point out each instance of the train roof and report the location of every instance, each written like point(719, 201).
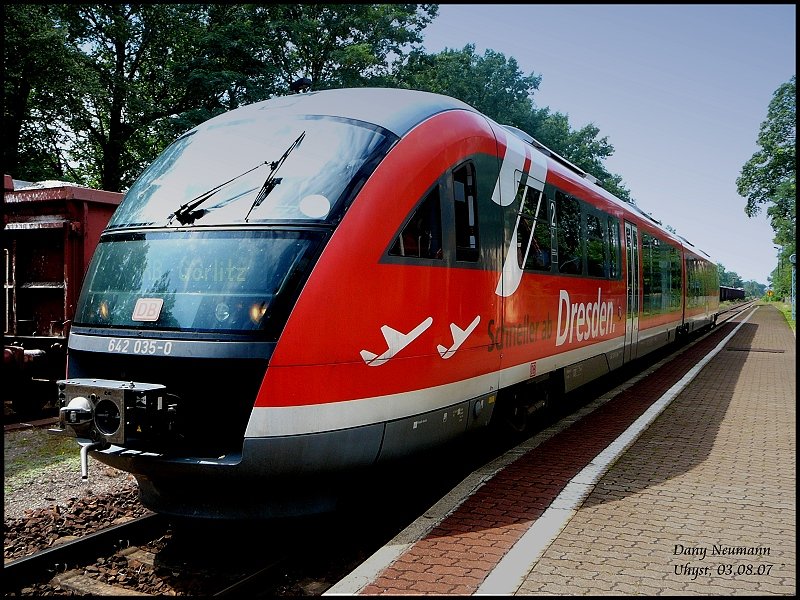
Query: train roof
point(399, 110)
point(395, 109)
point(591, 181)
point(26, 192)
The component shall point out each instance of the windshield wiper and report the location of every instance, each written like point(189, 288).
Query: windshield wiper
point(187, 213)
point(271, 181)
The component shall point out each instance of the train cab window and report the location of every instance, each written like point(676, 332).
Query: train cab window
point(533, 232)
point(595, 246)
point(568, 225)
point(422, 235)
point(466, 213)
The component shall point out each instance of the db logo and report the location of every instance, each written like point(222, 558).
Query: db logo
point(147, 309)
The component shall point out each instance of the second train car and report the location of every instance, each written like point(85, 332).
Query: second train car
point(326, 281)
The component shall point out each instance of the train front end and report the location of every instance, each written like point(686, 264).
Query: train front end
point(186, 298)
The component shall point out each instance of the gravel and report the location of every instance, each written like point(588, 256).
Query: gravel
point(44, 497)
point(59, 485)
point(41, 528)
point(46, 503)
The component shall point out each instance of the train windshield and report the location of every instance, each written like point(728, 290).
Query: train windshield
point(203, 281)
point(319, 173)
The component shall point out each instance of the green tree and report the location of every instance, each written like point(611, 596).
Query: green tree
point(233, 62)
point(93, 92)
point(343, 45)
point(490, 83)
point(497, 87)
point(769, 177)
point(729, 278)
point(40, 72)
point(581, 147)
point(753, 289)
point(134, 61)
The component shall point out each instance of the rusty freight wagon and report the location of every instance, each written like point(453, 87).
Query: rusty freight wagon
point(50, 230)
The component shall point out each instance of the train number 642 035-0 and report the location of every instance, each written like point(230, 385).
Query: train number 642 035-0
point(147, 347)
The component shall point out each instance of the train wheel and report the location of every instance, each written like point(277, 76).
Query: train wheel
point(518, 408)
point(29, 397)
point(25, 406)
point(516, 418)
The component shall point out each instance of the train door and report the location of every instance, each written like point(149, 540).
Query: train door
point(632, 315)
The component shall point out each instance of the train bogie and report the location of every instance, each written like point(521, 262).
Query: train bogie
point(405, 272)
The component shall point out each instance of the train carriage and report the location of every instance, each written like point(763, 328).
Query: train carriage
point(327, 281)
point(50, 230)
point(729, 294)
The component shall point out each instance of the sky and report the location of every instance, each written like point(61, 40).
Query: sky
point(679, 90)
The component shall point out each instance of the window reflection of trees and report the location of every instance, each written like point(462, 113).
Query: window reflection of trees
point(661, 276)
point(613, 247)
point(466, 213)
point(595, 246)
point(193, 274)
point(568, 220)
point(422, 235)
point(533, 215)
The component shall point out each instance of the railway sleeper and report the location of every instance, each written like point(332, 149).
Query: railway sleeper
point(76, 581)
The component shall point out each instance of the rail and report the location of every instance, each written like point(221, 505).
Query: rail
point(27, 569)
point(735, 309)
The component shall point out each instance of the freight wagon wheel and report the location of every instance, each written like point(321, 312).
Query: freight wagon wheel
point(27, 405)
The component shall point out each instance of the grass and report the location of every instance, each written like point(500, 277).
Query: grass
point(29, 452)
point(786, 309)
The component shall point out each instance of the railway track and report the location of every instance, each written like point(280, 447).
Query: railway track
point(29, 424)
point(154, 555)
point(145, 556)
point(72, 553)
point(735, 309)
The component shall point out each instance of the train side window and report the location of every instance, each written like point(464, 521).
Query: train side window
point(613, 248)
point(650, 278)
point(422, 235)
point(533, 251)
point(691, 288)
point(539, 259)
point(665, 275)
point(466, 213)
point(568, 225)
point(676, 285)
point(595, 246)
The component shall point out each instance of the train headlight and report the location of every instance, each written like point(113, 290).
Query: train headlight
point(77, 412)
point(257, 312)
point(103, 311)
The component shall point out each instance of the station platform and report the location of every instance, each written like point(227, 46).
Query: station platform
point(679, 482)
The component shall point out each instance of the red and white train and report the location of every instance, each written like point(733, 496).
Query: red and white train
point(326, 281)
